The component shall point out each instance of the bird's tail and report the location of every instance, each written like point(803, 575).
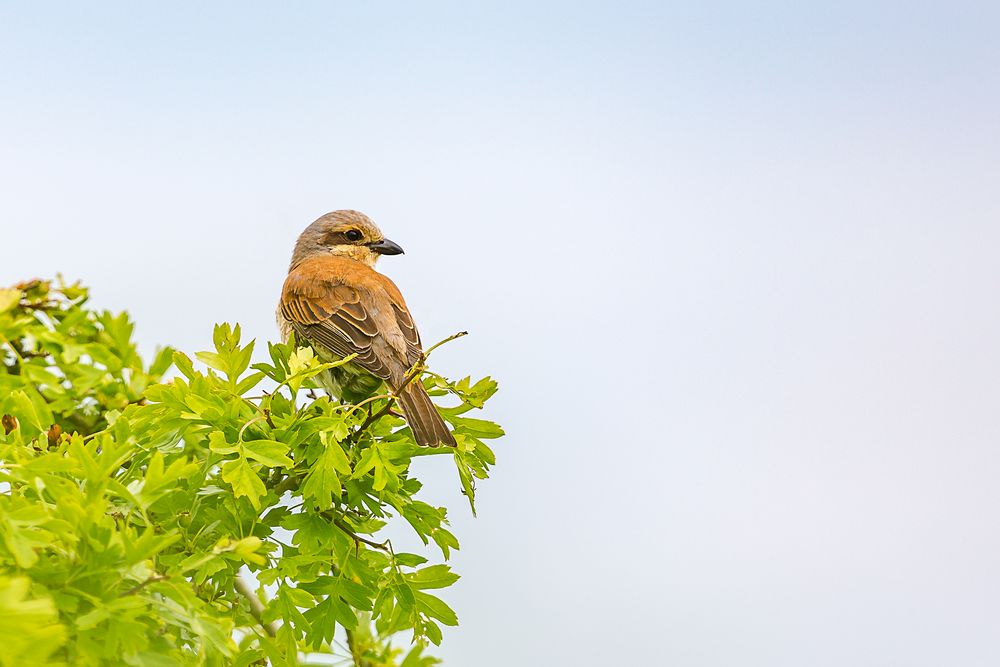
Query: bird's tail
point(429, 429)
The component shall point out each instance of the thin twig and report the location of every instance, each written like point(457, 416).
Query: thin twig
point(352, 408)
point(142, 584)
point(256, 606)
point(372, 418)
point(13, 348)
point(383, 546)
point(355, 650)
point(290, 483)
point(442, 342)
point(418, 367)
point(239, 436)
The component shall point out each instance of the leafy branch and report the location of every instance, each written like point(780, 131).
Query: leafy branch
point(133, 504)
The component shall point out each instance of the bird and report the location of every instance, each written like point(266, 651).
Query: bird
point(334, 299)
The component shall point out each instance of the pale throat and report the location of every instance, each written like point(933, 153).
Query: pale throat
point(362, 254)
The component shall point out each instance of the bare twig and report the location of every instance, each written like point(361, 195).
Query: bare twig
point(442, 342)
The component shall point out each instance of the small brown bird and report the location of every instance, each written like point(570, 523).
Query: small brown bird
point(334, 299)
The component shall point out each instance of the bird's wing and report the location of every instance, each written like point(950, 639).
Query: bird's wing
point(350, 309)
point(403, 320)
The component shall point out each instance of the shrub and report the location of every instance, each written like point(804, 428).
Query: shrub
point(136, 511)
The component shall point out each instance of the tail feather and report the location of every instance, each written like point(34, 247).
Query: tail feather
point(428, 427)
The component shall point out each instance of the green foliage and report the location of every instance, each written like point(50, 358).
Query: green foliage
point(130, 504)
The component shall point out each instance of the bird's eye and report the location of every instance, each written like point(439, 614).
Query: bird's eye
point(353, 235)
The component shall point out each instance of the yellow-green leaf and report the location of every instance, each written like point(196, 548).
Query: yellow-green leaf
point(244, 481)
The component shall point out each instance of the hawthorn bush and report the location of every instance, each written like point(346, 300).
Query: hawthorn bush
point(224, 516)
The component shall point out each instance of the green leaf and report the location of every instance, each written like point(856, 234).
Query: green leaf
point(337, 455)
point(213, 360)
point(322, 621)
point(435, 576)
point(375, 459)
point(9, 298)
point(404, 594)
point(184, 365)
point(30, 631)
point(218, 444)
point(368, 460)
point(415, 658)
point(269, 452)
point(322, 484)
point(249, 382)
point(382, 472)
point(146, 545)
point(30, 409)
point(410, 560)
point(244, 481)
point(436, 608)
point(162, 361)
point(465, 476)
point(304, 364)
point(479, 428)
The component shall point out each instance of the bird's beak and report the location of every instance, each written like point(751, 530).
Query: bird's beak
point(386, 247)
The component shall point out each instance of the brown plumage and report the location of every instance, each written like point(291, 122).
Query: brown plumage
point(334, 299)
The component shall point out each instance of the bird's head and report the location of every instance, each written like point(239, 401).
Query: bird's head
point(344, 234)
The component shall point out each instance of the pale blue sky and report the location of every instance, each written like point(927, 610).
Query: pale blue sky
point(735, 266)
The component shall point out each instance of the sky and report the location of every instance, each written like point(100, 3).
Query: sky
point(733, 264)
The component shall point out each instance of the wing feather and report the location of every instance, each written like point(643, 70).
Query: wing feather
point(345, 318)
